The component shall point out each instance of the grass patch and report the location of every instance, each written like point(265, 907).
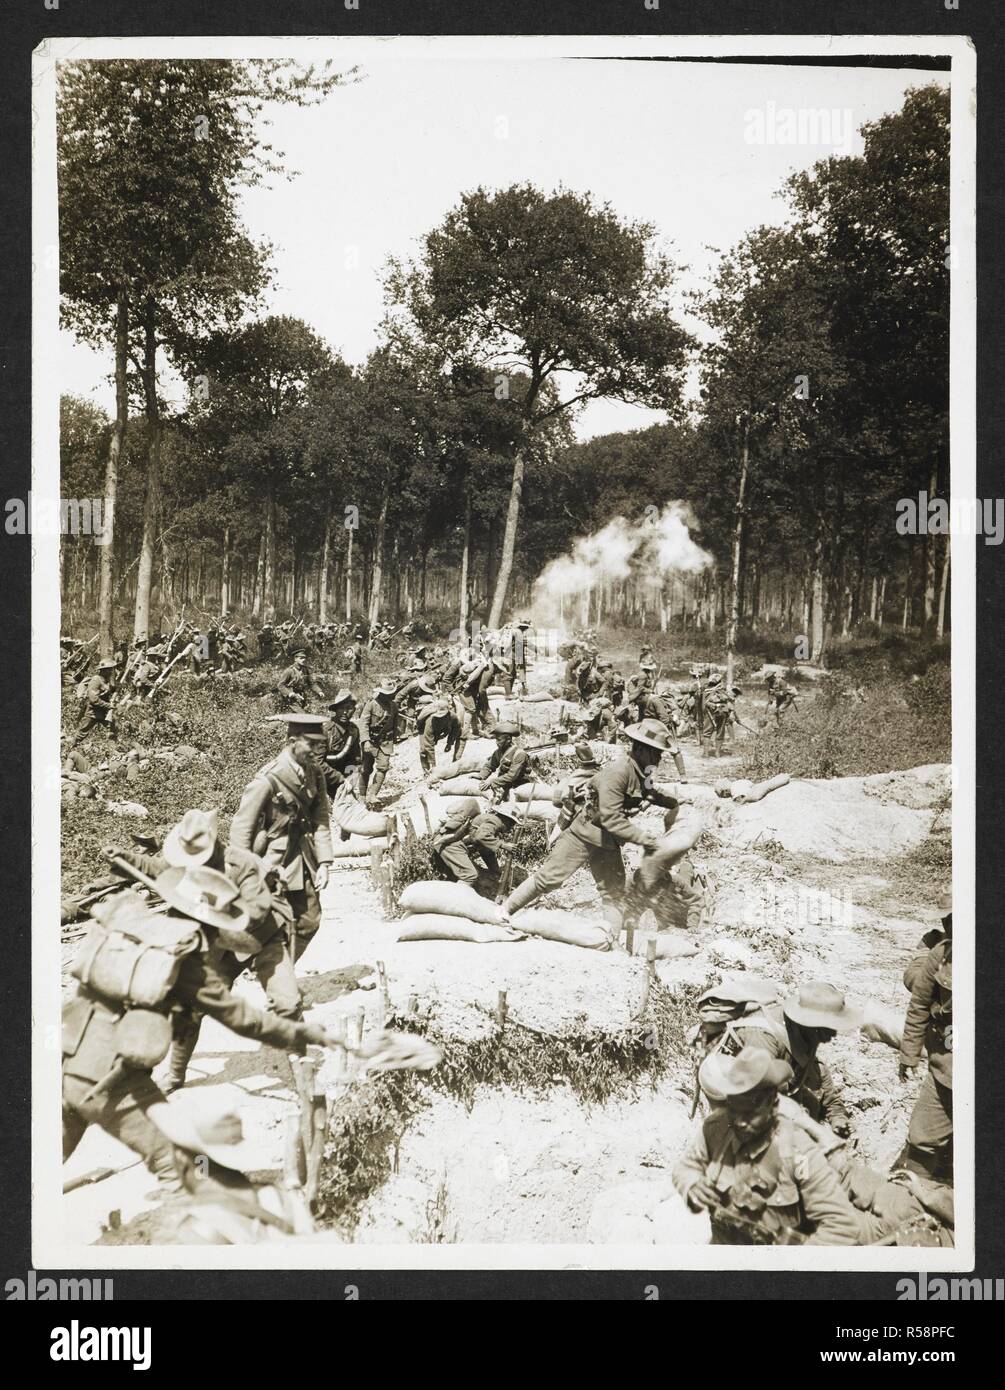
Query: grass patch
point(369, 1122)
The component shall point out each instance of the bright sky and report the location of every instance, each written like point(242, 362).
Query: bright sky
point(380, 163)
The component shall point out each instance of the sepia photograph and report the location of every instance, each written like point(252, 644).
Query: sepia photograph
point(503, 521)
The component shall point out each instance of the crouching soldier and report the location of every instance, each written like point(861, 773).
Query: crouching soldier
point(929, 1026)
point(296, 684)
point(285, 818)
point(762, 1179)
point(97, 702)
point(136, 971)
point(509, 766)
point(467, 832)
point(440, 716)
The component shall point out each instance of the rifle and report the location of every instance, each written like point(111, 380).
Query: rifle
point(759, 1234)
point(509, 860)
point(167, 671)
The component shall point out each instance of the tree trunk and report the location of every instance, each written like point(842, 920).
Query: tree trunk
point(326, 561)
point(258, 595)
point(819, 605)
point(348, 579)
point(269, 568)
point(508, 545)
point(225, 573)
point(465, 604)
point(106, 629)
point(151, 499)
point(931, 559)
point(940, 630)
point(735, 597)
point(378, 559)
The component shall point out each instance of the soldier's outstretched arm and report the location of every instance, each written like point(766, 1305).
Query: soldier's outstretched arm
point(203, 989)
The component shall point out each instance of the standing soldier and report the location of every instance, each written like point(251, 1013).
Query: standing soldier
point(354, 653)
point(97, 701)
point(296, 683)
point(342, 758)
point(111, 1044)
point(379, 724)
point(266, 642)
point(780, 693)
point(929, 1026)
point(602, 826)
point(284, 817)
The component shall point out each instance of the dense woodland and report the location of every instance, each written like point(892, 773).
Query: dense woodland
point(442, 475)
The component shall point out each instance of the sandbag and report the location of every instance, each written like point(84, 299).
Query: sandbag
point(542, 810)
point(349, 813)
point(451, 899)
point(461, 768)
point(883, 1024)
point(357, 846)
point(560, 926)
point(539, 697)
point(669, 946)
point(440, 926)
point(744, 791)
point(459, 786)
point(534, 791)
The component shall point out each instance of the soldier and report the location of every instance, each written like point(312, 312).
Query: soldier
point(97, 702)
point(602, 826)
point(929, 1025)
point(296, 683)
point(110, 1046)
point(760, 1177)
point(147, 671)
point(354, 653)
point(194, 843)
point(597, 720)
point(793, 1032)
point(509, 766)
point(285, 818)
point(266, 642)
point(570, 794)
point(474, 678)
point(942, 914)
point(468, 830)
point(780, 693)
point(379, 725)
point(719, 703)
point(342, 758)
point(436, 717)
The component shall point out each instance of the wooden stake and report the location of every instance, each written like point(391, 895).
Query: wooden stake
point(413, 1003)
point(651, 957)
point(630, 940)
point(501, 1009)
point(385, 1002)
point(376, 861)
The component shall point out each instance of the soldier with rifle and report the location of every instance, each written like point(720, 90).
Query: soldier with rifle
point(98, 702)
point(194, 843)
point(296, 684)
point(467, 832)
point(760, 1177)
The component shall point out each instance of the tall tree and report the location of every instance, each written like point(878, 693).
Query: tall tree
point(547, 287)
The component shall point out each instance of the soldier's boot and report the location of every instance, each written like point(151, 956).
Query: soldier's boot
point(679, 762)
point(522, 896)
point(375, 786)
point(181, 1054)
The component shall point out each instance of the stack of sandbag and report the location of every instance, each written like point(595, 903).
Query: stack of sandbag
point(351, 816)
point(534, 791)
point(357, 846)
point(561, 926)
point(459, 786)
point(440, 911)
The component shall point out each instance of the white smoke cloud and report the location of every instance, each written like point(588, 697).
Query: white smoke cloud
point(646, 551)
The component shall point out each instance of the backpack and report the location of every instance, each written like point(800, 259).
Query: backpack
point(132, 956)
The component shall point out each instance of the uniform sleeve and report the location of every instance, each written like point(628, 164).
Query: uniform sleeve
point(249, 813)
point(919, 1011)
point(203, 989)
point(692, 1166)
point(830, 1097)
point(612, 785)
point(833, 1218)
point(363, 723)
point(247, 873)
point(149, 864)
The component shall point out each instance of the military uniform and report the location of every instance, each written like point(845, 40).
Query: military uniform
point(91, 1056)
point(812, 1083)
point(595, 837)
point(285, 818)
point(436, 719)
point(295, 685)
point(96, 707)
point(507, 768)
point(343, 754)
point(780, 1179)
point(467, 830)
point(379, 722)
point(929, 1025)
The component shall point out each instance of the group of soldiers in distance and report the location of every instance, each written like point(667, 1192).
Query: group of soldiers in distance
point(772, 1162)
